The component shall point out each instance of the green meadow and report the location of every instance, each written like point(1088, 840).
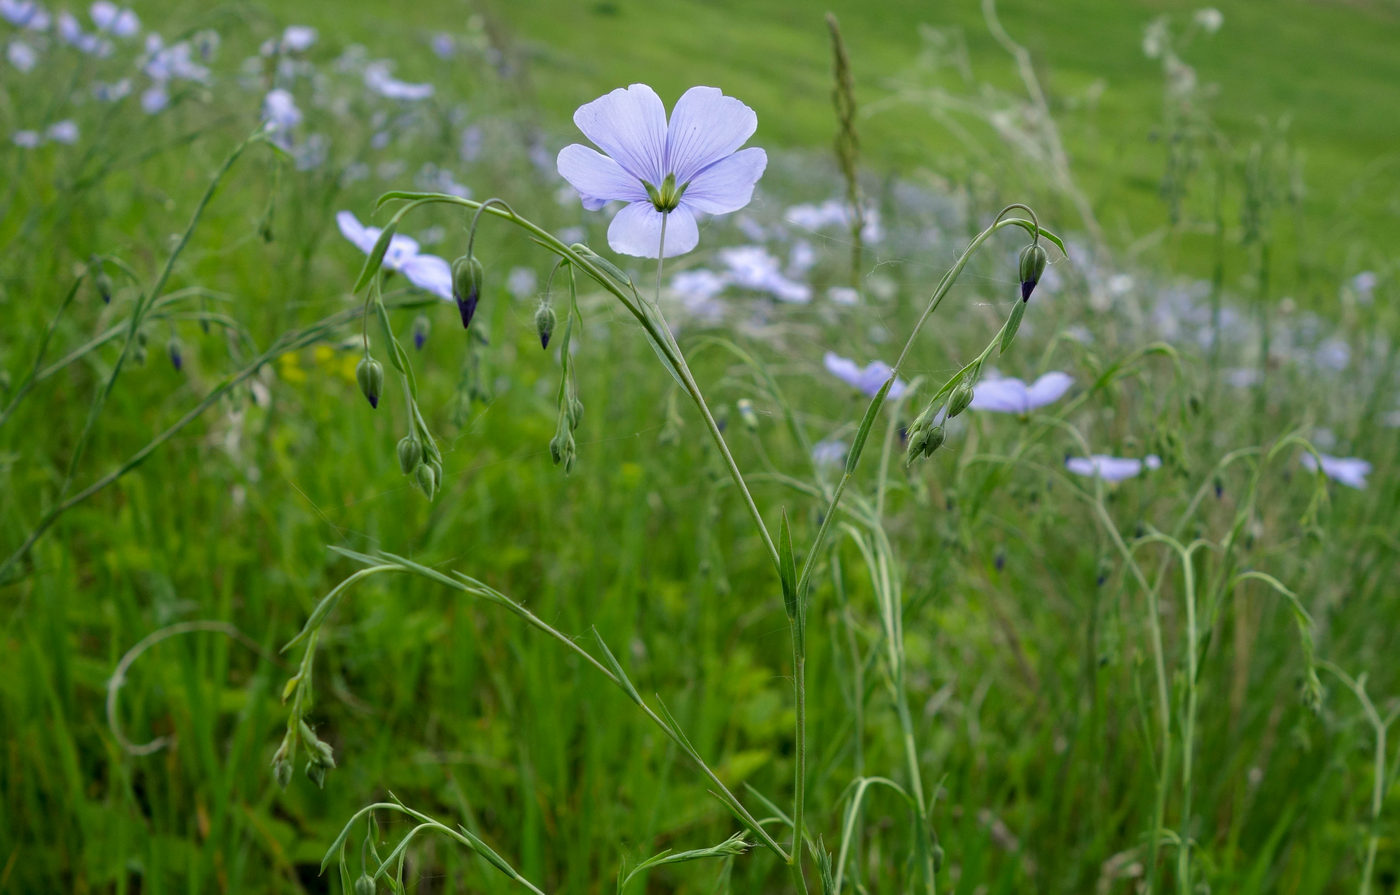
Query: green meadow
point(680, 604)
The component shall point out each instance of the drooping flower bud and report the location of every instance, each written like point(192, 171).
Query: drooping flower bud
point(282, 772)
point(369, 373)
point(364, 885)
point(421, 328)
point(427, 479)
point(960, 398)
point(934, 440)
point(176, 352)
point(410, 454)
point(544, 324)
point(104, 286)
point(466, 287)
point(574, 411)
point(1033, 261)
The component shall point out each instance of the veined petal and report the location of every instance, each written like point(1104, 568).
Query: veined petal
point(727, 185)
point(705, 127)
point(629, 124)
point(431, 274)
point(597, 178)
point(1047, 389)
point(637, 231)
point(401, 250)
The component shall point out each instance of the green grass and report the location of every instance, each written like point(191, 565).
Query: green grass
point(1028, 641)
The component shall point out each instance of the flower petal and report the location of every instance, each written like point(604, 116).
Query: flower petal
point(431, 274)
point(1000, 395)
point(637, 231)
point(705, 127)
point(597, 178)
point(1048, 389)
point(727, 185)
point(354, 231)
point(629, 124)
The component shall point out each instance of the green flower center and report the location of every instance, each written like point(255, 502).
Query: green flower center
point(667, 196)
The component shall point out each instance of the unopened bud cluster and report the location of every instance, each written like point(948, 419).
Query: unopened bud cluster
point(927, 434)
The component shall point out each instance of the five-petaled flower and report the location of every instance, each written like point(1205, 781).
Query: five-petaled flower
point(666, 172)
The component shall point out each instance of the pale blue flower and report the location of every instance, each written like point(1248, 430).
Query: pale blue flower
point(665, 171)
point(1011, 395)
point(27, 139)
point(280, 111)
point(154, 99)
point(112, 19)
point(831, 452)
point(753, 267)
point(71, 32)
point(379, 80)
point(1350, 471)
point(868, 378)
point(428, 272)
point(21, 55)
point(65, 132)
point(1111, 469)
point(25, 14)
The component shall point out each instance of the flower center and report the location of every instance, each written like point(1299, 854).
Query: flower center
point(666, 197)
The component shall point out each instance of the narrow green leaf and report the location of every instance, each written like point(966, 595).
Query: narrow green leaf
point(616, 668)
point(376, 257)
point(787, 568)
point(1013, 323)
point(853, 457)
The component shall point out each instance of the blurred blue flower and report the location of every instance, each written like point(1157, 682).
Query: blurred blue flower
point(664, 171)
point(1350, 471)
point(1111, 469)
point(1011, 395)
point(868, 378)
point(428, 272)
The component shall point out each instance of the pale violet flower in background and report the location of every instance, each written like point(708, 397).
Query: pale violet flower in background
point(25, 13)
point(27, 139)
point(698, 291)
point(298, 38)
point(831, 452)
point(664, 171)
point(522, 282)
point(171, 63)
point(843, 295)
point(71, 32)
point(21, 55)
point(154, 99)
point(65, 132)
point(444, 46)
point(379, 80)
point(753, 267)
point(1011, 395)
point(280, 111)
point(868, 378)
point(1364, 285)
point(1111, 469)
point(428, 272)
point(1350, 471)
point(112, 19)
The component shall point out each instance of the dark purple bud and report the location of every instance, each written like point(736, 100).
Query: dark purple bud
point(544, 324)
point(466, 287)
point(421, 328)
point(1001, 560)
point(1033, 261)
point(177, 357)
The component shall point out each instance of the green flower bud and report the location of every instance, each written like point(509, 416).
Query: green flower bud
point(934, 440)
point(282, 772)
point(574, 411)
point(364, 885)
point(1033, 261)
point(176, 352)
point(960, 398)
point(410, 454)
point(316, 773)
point(466, 287)
point(544, 324)
point(369, 373)
point(427, 480)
